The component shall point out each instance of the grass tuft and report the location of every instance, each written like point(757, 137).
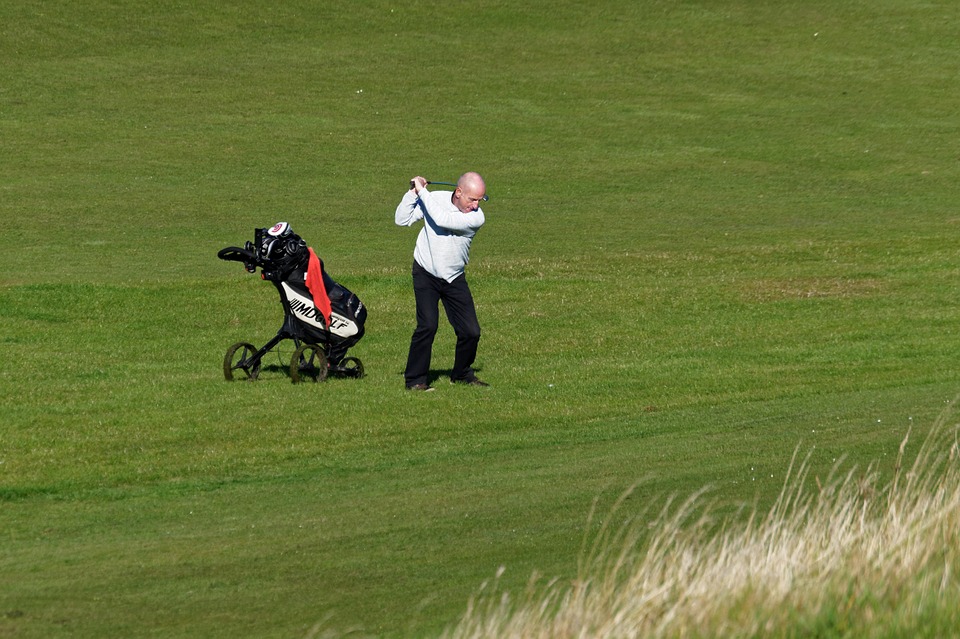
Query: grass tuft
point(843, 556)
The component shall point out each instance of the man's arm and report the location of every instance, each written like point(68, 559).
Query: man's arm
point(408, 211)
point(450, 219)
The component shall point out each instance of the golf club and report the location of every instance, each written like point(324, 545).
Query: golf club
point(485, 198)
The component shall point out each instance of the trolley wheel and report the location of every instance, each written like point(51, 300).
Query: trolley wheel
point(351, 367)
point(238, 359)
point(310, 361)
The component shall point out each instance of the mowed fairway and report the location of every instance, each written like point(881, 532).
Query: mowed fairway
point(717, 232)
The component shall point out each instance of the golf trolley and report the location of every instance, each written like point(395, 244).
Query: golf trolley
point(322, 317)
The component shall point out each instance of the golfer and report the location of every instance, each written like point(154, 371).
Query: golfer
point(450, 220)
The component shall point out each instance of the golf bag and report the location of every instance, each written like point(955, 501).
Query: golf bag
point(322, 317)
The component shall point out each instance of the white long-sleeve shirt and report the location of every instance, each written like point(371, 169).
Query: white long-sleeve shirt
point(443, 246)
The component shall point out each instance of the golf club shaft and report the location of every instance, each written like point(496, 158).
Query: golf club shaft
point(486, 198)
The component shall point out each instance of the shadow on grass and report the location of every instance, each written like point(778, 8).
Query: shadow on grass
point(436, 375)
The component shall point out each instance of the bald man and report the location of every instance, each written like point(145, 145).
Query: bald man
point(451, 220)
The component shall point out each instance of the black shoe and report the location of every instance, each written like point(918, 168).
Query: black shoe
point(425, 388)
point(476, 381)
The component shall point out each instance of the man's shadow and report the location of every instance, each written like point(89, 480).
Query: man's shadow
point(437, 374)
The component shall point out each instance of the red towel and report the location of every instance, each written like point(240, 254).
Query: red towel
point(318, 290)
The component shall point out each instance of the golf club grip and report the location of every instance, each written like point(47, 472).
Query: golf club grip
point(432, 182)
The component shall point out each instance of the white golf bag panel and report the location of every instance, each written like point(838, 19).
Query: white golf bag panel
point(343, 319)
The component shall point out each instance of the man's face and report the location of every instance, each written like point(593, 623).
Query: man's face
point(467, 198)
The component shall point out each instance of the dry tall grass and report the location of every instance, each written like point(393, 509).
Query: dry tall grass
point(844, 557)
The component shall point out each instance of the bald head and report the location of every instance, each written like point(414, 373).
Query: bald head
point(472, 180)
point(470, 191)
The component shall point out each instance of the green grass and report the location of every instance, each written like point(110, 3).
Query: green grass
point(717, 231)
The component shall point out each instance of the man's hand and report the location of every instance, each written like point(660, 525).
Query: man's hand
point(418, 183)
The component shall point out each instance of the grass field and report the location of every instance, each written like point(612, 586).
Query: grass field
point(718, 232)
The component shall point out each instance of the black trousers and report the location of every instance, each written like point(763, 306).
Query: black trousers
point(458, 304)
